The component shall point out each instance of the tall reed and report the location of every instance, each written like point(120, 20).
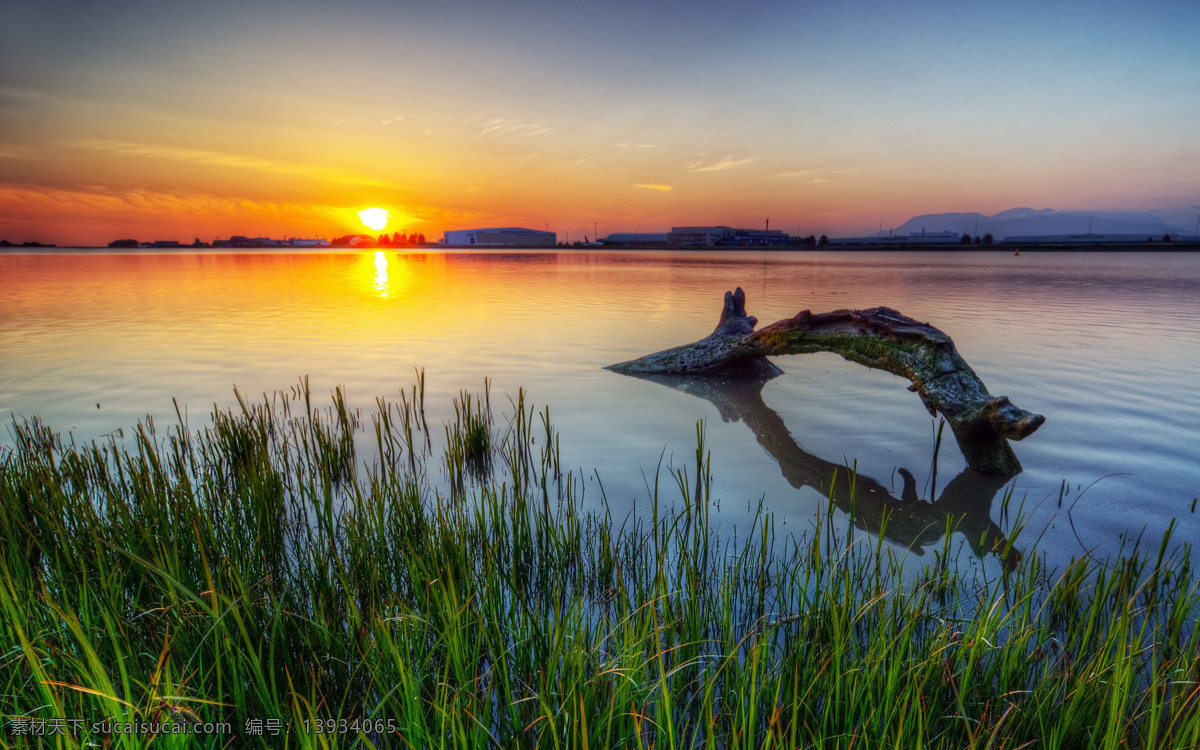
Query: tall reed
point(259, 573)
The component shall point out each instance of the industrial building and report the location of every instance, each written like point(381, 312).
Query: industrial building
point(636, 239)
point(499, 237)
point(1088, 238)
point(698, 236)
point(726, 237)
point(902, 240)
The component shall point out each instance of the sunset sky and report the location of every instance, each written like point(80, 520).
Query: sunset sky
point(167, 119)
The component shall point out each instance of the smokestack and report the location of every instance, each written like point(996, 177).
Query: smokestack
point(768, 225)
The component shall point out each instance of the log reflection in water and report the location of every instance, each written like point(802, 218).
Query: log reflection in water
point(965, 502)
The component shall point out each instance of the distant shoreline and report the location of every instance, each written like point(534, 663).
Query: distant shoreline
point(999, 247)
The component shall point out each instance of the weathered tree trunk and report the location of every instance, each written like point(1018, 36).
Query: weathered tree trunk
point(879, 338)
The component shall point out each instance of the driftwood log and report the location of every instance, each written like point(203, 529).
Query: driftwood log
point(878, 338)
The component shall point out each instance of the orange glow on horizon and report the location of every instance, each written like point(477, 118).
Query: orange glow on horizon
point(97, 216)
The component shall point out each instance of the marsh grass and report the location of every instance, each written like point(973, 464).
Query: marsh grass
point(469, 441)
point(252, 571)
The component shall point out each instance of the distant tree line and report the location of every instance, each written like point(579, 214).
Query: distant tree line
point(811, 240)
point(986, 239)
point(401, 240)
point(6, 243)
point(384, 240)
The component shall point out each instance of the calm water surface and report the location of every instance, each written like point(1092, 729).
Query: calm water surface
point(1105, 345)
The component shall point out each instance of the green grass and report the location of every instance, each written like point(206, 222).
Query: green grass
point(259, 570)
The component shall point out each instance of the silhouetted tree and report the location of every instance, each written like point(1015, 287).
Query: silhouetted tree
point(811, 240)
point(966, 240)
point(1166, 238)
point(987, 239)
point(823, 241)
point(420, 239)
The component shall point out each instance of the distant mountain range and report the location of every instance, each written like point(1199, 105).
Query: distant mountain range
point(1018, 222)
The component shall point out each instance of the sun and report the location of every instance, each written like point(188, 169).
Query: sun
point(374, 218)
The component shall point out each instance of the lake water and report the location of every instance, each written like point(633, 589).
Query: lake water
point(1106, 346)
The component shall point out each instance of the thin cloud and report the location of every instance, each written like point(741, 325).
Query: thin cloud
point(517, 127)
point(157, 203)
point(727, 163)
point(7, 92)
point(654, 186)
point(14, 152)
point(221, 159)
point(814, 174)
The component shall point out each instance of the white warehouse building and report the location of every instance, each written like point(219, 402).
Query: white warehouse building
point(500, 237)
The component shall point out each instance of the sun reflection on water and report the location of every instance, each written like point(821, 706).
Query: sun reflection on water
point(381, 274)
